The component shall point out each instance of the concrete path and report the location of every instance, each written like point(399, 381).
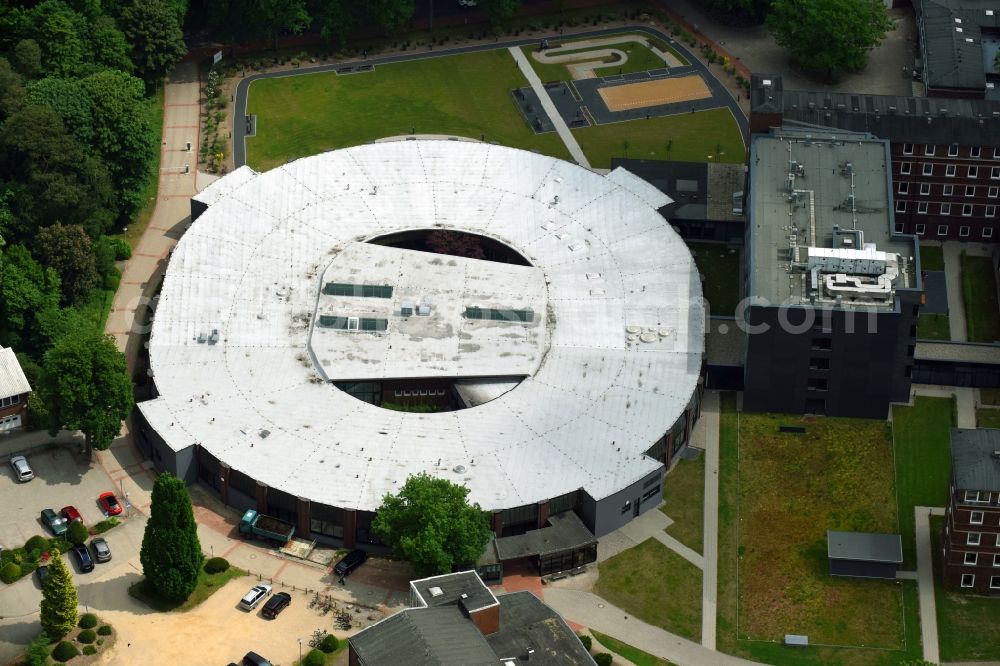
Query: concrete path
point(710, 572)
point(585, 55)
point(925, 582)
point(953, 282)
point(965, 400)
point(592, 611)
point(561, 128)
point(650, 525)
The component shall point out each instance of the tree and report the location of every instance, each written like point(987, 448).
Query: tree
point(336, 20)
point(70, 100)
point(28, 57)
point(171, 554)
point(109, 46)
point(11, 90)
point(26, 289)
point(390, 15)
point(38, 651)
point(85, 385)
point(738, 12)
point(68, 250)
point(58, 609)
point(152, 29)
point(62, 45)
point(499, 11)
point(431, 523)
point(77, 532)
point(455, 243)
point(276, 15)
point(829, 36)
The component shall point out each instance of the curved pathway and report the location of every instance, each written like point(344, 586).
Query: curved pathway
point(716, 87)
point(583, 56)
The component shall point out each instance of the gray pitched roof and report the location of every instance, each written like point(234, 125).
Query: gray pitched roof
point(441, 635)
point(527, 623)
point(951, 39)
point(972, 461)
point(12, 379)
point(565, 532)
point(864, 546)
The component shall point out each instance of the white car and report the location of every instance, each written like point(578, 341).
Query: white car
point(253, 597)
point(21, 469)
point(467, 3)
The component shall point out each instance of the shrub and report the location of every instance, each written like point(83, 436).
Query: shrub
point(112, 280)
point(87, 621)
point(216, 565)
point(77, 532)
point(59, 545)
point(587, 642)
point(10, 572)
point(37, 543)
point(329, 644)
point(314, 658)
point(106, 525)
point(104, 630)
point(87, 636)
point(64, 651)
point(122, 249)
point(89, 649)
point(603, 659)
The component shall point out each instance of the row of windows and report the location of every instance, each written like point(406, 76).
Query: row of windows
point(978, 496)
point(942, 230)
point(405, 393)
point(930, 150)
point(12, 400)
point(950, 170)
point(353, 323)
point(493, 314)
point(923, 208)
point(969, 580)
point(947, 190)
point(972, 559)
point(360, 290)
point(976, 539)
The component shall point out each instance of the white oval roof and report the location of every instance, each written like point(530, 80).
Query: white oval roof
point(251, 267)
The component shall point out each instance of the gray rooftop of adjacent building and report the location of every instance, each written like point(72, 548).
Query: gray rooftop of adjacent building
point(527, 623)
point(463, 586)
point(972, 458)
point(565, 532)
point(966, 352)
point(864, 546)
point(823, 155)
point(953, 42)
point(12, 379)
point(725, 343)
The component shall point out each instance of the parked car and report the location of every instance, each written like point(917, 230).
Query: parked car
point(350, 562)
point(109, 504)
point(253, 597)
point(41, 573)
point(54, 522)
point(102, 552)
point(254, 659)
point(276, 604)
point(22, 470)
point(83, 558)
point(71, 514)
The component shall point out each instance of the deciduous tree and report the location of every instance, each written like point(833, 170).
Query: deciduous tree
point(390, 15)
point(171, 553)
point(68, 250)
point(828, 37)
point(431, 523)
point(58, 608)
point(336, 19)
point(26, 289)
point(151, 27)
point(499, 11)
point(277, 15)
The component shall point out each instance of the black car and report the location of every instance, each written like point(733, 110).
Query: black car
point(83, 558)
point(254, 659)
point(41, 573)
point(276, 604)
point(350, 562)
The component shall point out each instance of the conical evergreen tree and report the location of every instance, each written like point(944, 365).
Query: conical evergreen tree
point(171, 553)
point(58, 611)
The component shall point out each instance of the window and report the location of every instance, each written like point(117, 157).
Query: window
point(995, 173)
point(949, 170)
point(925, 188)
point(996, 558)
point(822, 344)
point(970, 190)
point(946, 209)
point(930, 150)
point(920, 229)
point(963, 231)
point(899, 227)
point(977, 496)
point(987, 232)
point(995, 582)
point(973, 172)
point(968, 580)
point(972, 539)
point(906, 168)
point(947, 190)
point(970, 559)
point(363, 290)
point(903, 188)
point(908, 149)
point(942, 230)
point(928, 169)
point(952, 150)
point(626, 507)
point(819, 363)
point(652, 492)
point(976, 517)
point(7, 402)
point(967, 210)
point(490, 314)
point(817, 384)
point(991, 211)
point(996, 153)
point(922, 208)
point(975, 152)
point(998, 541)
point(900, 206)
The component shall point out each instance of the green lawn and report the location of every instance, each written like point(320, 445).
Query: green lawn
point(968, 625)
point(979, 291)
point(656, 585)
point(640, 59)
point(692, 137)
point(931, 258)
point(467, 95)
point(721, 268)
point(684, 502)
point(990, 396)
point(920, 442)
point(633, 654)
point(933, 327)
point(208, 584)
point(988, 418)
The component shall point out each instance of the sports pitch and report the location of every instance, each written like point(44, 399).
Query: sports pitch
point(655, 93)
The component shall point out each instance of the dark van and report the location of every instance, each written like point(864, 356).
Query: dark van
point(350, 562)
point(254, 659)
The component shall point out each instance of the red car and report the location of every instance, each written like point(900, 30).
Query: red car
point(71, 514)
point(109, 504)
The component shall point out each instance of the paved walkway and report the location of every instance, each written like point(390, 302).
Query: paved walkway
point(710, 575)
point(953, 282)
point(925, 582)
point(543, 96)
point(965, 400)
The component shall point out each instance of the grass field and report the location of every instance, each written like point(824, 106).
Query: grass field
point(656, 585)
point(684, 502)
point(990, 396)
point(467, 95)
point(208, 584)
point(931, 258)
point(638, 59)
point(920, 440)
point(721, 268)
point(933, 327)
point(692, 137)
point(633, 654)
point(968, 625)
point(979, 291)
point(988, 418)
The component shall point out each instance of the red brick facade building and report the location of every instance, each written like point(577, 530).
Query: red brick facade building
point(14, 390)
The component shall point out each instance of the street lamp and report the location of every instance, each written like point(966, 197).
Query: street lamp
point(300, 649)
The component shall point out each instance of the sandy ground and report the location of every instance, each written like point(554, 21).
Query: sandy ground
point(654, 93)
point(216, 632)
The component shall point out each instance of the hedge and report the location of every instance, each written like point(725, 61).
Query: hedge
point(65, 651)
point(10, 572)
point(314, 658)
point(329, 644)
point(216, 565)
point(87, 636)
point(104, 630)
point(87, 621)
point(603, 659)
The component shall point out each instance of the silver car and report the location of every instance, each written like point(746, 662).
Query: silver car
point(102, 552)
point(21, 469)
point(253, 597)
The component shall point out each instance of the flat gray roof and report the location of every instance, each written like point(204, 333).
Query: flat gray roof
point(972, 459)
point(864, 546)
point(450, 588)
point(565, 532)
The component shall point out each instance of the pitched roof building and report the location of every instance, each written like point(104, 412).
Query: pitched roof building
point(14, 390)
point(958, 42)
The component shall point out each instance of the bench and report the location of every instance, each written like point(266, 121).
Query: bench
point(796, 640)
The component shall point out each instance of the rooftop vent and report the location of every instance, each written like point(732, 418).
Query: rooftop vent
point(458, 469)
point(406, 308)
point(435, 591)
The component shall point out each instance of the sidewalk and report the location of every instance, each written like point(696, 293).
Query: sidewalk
point(965, 400)
point(925, 582)
point(709, 579)
point(952, 251)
